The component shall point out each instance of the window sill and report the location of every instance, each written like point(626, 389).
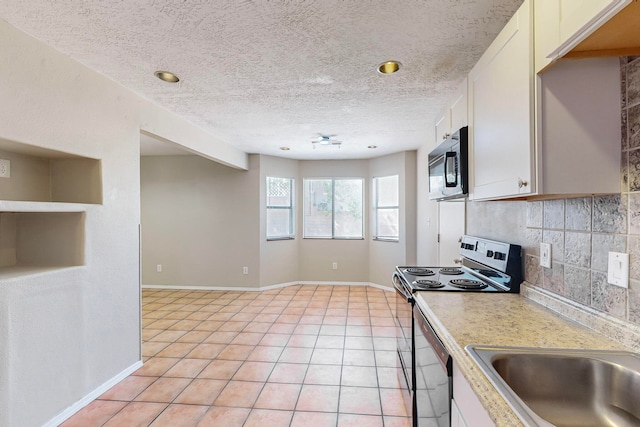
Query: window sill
point(333, 238)
point(272, 239)
point(383, 239)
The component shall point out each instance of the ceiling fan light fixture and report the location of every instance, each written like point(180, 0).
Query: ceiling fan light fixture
point(389, 67)
point(326, 141)
point(167, 76)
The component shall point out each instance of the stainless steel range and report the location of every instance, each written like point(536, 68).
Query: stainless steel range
point(425, 365)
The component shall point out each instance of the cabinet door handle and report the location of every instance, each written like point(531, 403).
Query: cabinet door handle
point(522, 183)
point(446, 135)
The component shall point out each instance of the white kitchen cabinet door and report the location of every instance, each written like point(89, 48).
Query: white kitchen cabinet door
point(577, 19)
point(456, 418)
point(470, 411)
point(454, 116)
point(458, 108)
point(501, 107)
point(443, 126)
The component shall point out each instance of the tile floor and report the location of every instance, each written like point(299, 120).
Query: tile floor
point(304, 355)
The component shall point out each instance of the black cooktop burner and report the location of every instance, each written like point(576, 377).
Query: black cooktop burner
point(452, 271)
point(418, 271)
point(467, 284)
point(427, 284)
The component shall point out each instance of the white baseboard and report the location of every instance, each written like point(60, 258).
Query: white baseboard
point(265, 288)
point(71, 410)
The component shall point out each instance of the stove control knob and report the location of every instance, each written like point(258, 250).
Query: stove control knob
point(489, 254)
point(500, 256)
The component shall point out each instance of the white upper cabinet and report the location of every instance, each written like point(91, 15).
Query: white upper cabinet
point(501, 122)
point(543, 134)
point(576, 20)
point(454, 116)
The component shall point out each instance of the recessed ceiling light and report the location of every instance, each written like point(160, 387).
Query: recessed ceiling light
point(372, 146)
point(389, 67)
point(285, 148)
point(167, 76)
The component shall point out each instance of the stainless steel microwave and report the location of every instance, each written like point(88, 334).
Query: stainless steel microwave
point(449, 167)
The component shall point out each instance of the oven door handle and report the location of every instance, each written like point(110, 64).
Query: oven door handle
point(400, 287)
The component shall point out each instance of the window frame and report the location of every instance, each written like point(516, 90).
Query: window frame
point(333, 207)
point(377, 208)
point(291, 208)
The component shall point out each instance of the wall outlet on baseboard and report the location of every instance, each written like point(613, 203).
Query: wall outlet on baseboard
point(335, 266)
point(245, 270)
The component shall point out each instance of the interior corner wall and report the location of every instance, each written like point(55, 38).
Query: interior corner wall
point(200, 222)
point(384, 256)
point(279, 259)
point(65, 333)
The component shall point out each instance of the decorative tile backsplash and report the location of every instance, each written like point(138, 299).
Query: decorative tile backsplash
point(583, 231)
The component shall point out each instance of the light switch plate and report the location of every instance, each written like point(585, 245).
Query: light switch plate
point(545, 255)
point(618, 270)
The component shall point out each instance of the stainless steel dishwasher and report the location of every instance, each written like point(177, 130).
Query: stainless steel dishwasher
point(433, 374)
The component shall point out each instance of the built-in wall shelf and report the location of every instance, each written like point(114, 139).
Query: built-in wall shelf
point(33, 242)
point(39, 174)
point(9, 273)
point(17, 206)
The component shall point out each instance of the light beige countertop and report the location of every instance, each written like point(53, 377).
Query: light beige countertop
point(463, 318)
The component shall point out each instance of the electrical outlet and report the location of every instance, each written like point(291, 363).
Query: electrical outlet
point(245, 270)
point(545, 255)
point(159, 268)
point(5, 168)
point(335, 266)
point(618, 269)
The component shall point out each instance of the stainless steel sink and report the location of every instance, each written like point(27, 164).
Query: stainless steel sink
point(565, 388)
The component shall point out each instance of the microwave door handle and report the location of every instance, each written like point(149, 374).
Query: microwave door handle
point(450, 163)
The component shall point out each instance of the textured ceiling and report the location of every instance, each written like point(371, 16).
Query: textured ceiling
point(265, 74)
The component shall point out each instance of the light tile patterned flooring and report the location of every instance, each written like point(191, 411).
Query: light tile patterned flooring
point(304, 355)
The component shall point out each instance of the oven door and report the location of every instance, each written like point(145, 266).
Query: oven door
point(404, 303)
point(433, 371)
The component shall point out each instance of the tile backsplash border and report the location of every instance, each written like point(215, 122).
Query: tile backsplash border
point(583, 230)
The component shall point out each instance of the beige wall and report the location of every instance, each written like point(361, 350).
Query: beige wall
point(65, 333)
point(200, 221)
point(30, 178)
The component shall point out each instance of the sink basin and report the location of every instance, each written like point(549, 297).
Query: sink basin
point(565, 388)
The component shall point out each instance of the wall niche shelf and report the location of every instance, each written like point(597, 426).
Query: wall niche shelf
point(43, 204)
point(44, 175)
point(36, 242)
